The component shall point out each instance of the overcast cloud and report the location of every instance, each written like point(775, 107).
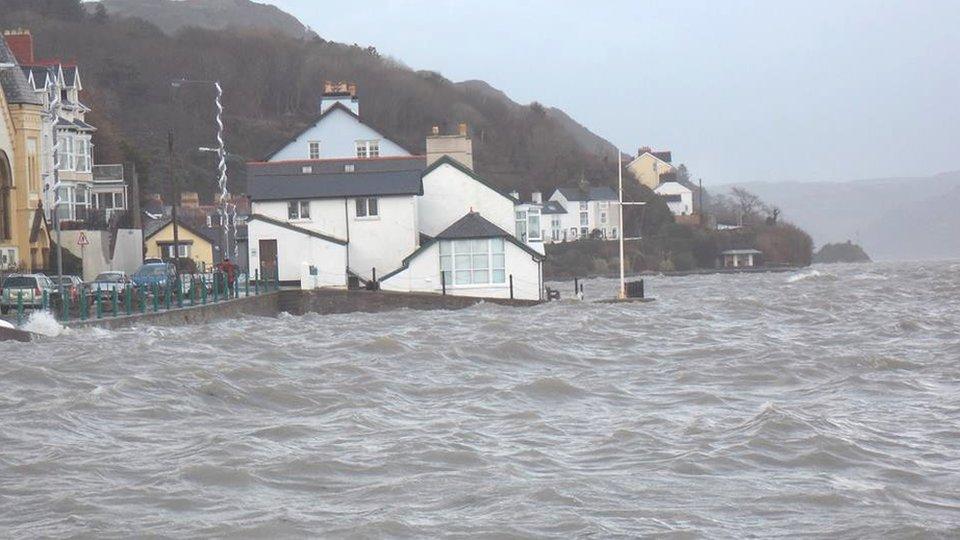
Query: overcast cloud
point(740, 91)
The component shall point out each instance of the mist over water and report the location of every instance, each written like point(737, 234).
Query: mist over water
point(824, 402)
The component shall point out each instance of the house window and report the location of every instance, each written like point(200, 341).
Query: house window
point(168, 252)
point(583, 206)
point(349, 167)
point(298, 210)
point(521, 226)
point(533, 221)
point(314, 149)
point(306, 169)
point(473, 262)
point(584, 219)
point(555, 229)
point(584, 232)
point(573, 232)
point(367, 207)
point(67, 157)
point(368, 149)
point(603, 217)
point(613, 233)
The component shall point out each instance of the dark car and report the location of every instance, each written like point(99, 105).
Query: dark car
point(153, 275)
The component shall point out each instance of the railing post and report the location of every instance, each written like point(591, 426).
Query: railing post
point(246, 286)
point(46, 300)
point(216, 288)
point(443, 282)
point(155, 290)
point(64, 309)
point(180, 294)
point(19, 308)
point(128, 298)
point(99, 302)
point(511, 286)
point(84, 308)
point(115, 297)
point(276, 279)
point(256, 282)
point(203, 289)
point(576, 286)
point(142, 296)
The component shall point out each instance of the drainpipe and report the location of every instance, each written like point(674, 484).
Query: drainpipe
point(346, 224)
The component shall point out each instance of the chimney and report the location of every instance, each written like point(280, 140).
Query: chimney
point(341, 92)
point(20, 42)
point(458, 147)
point(190, 199)
point(536, 197)
point(643, 150)
point(515, 194)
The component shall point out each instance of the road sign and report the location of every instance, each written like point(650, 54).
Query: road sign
point(82, 239)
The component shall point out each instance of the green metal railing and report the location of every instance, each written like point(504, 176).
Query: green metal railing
point(191, 290)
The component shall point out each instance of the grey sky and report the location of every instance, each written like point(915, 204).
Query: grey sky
point(740, 91)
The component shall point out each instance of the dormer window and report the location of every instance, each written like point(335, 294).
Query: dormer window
point(314, 149)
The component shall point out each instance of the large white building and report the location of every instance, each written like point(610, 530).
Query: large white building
point(341, 199)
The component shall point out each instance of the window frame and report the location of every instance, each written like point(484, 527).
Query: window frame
point(313, 149)
point(299, 206)
point(362, 208)
point(492, 259)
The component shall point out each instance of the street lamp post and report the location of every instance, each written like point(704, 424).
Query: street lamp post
point(224, 195)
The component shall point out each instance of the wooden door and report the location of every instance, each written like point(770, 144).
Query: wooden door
point(268, 259)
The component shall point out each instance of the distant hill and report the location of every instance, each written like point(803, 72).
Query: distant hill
point(173, 15)
point(272, 81)
point(892, 218)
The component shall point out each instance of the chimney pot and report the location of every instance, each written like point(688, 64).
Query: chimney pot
point(435, 130)
point(463, 129)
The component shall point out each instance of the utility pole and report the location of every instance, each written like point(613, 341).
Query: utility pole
point(176, 203)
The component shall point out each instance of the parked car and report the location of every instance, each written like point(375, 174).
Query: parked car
point(153, 275)
point(28, 288)
point(72, 286)
point(107, 282)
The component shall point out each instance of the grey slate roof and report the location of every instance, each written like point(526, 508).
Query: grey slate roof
point(269, 187)
point(592, 193)
point(154, 226)
point(472, 225)
point(321, 166)
point(16, 86)
point(292, 227)
point(553, 207)
point(69, 75)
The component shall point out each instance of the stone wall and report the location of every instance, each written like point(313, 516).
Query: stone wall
point(329, 301)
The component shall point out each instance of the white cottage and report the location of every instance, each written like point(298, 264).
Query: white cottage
point(679, 198)
point(472, 257)
point(369, 206)
point(583, 212)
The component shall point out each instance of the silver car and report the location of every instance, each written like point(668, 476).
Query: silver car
point(107, 282)
point(27, 289)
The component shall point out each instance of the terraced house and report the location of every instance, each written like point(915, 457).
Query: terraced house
point(24, 236)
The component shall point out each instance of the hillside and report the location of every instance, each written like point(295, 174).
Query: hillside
point(171, 16)
point(271, 88)
point(892, 218)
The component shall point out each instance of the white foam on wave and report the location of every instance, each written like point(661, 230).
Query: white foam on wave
point(810, 275)
point(43, 323)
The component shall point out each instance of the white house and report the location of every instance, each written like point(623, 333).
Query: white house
point(583, 211)
point(370, 205)
point(384, 215)
point(679, 198)
point(472, 257)
point(338, 132)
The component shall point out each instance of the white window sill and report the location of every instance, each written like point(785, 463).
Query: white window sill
point(367, 218)
point(299, 220)
point(504, 285)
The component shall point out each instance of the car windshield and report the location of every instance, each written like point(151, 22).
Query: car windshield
point(66, 280)
point(20, 281)
point(108, 278)
point(152, 270)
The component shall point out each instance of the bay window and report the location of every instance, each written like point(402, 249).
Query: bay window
point(479, 261)
point(533, 224)
point(521, 228)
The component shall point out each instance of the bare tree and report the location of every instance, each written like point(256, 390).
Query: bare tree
point(748, 204)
